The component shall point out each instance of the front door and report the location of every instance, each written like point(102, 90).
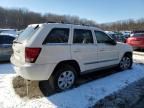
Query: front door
point(107, 53)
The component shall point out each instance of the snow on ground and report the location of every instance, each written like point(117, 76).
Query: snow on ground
point(138, 58)
point(83, 96)
point(6, 69)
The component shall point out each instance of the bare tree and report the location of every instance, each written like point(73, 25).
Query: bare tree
point(20, 18)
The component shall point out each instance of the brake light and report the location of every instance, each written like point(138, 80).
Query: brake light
point(31, 54)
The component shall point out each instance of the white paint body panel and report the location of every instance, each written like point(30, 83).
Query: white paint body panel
point(88, 56)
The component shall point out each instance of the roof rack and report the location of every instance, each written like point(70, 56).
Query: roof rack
point(71, 23)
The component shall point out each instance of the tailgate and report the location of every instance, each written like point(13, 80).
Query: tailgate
point(18, 54)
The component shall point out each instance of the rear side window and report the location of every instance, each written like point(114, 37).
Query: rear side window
point(57, 35)
point(82, 36)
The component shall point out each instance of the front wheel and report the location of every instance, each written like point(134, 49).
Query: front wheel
point(64, 78)
point(126, 62)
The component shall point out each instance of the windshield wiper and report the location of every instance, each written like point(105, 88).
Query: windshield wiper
point(16, 42)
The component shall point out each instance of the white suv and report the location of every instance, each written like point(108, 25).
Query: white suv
point(61, 52)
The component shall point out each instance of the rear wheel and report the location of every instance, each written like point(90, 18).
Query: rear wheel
point(64, 78)
point(126, 62)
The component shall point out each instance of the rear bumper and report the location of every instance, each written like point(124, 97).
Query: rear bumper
point(33, 71)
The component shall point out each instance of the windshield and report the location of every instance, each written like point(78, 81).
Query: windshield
point(137, 34)
point(27, 33)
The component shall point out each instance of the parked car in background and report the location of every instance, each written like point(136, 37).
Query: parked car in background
point(117, 36)
point(137, 31)
point(19, 32)
point(8, 31)
point(126, 34)
point(6, 41)
point(136, 40)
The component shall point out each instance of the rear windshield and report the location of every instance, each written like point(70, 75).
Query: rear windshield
point(27, 33)
point(5, 39)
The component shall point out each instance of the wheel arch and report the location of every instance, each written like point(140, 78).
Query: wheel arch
point(128, 54)
point(72, 63)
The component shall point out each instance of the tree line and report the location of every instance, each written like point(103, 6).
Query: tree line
point(124, 25)
point(20, 18)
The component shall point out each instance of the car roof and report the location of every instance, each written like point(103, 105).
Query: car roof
point(7, 34)
point(67, 24)
point(7, 29)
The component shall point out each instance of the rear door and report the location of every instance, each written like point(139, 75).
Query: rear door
point(83, 48)
point(108, 54)
point(56, 45)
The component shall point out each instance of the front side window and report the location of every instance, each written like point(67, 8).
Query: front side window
point(82, 36)
point(58, 35)
point(102, 37)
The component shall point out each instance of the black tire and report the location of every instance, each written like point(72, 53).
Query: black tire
point(126, 62)
point(54, 80)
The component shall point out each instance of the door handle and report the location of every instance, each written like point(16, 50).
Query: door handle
point(77, 50)
point(102, 50)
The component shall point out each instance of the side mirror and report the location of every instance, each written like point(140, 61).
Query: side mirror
point(111, 42)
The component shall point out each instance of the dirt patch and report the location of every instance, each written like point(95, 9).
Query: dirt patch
point(128, 97)
point(20, 87)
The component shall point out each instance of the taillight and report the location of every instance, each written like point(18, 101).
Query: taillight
point(31, 54)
